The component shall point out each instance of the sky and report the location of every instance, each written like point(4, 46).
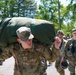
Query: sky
point(64, 2)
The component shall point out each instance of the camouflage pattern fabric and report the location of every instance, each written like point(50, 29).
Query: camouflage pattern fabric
point(58, 60)
point(70, 55)
point(28, 61)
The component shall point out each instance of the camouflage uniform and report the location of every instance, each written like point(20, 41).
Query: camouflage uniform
point(30, 61)
point(70, 55)
point(58, 60)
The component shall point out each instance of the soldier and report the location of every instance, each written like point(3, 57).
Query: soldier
point(30, 58)
point(60, 34)
point(70, 52)
point(27, 60)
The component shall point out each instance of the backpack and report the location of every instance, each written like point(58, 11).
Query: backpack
point(42, 30)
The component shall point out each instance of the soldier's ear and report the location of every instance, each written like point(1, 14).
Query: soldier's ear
point(19, 41)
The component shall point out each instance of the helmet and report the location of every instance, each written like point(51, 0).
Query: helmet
point(64, 64)
point(60, 32)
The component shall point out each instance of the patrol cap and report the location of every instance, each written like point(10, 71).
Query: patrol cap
point(24, 33)
point(73, 30)
point(60, 32)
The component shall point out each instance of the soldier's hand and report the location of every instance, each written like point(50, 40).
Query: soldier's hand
point(57, 42)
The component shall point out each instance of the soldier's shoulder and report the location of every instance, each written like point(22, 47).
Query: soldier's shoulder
point(65, 41)
point(70, 39)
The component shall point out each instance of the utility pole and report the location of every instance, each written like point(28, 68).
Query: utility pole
point(59, 24)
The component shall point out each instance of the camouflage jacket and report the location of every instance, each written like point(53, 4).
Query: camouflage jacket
point(30, 61)
point(63, 44)
point(70, 51)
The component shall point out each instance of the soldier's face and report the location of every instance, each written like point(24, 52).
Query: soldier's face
point(26, 44)
point(60, 36)
point(74, 35)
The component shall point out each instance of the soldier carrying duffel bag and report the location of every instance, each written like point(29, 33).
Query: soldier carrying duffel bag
point(16, 36)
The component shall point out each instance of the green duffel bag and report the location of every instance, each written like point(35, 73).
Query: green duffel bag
point(42, 30)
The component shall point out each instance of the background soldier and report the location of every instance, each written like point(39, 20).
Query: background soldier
point(70, 52)
point(60, 34)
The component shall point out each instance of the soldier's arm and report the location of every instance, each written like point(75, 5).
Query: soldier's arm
point(54, 53)
point(64, 56)
point(5, 53)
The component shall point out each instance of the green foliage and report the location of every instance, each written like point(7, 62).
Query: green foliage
point(49, 10)
point(12, 8)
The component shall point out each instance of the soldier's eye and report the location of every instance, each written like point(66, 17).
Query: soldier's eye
point(74, 33)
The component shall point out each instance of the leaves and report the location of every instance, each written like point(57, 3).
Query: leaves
point(12, 8)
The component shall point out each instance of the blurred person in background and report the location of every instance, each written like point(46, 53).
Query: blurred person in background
point(70, 52)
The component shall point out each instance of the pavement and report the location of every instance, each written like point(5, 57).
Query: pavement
point(8, 68)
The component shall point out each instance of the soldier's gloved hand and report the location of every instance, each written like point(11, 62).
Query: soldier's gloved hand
point(57, 42)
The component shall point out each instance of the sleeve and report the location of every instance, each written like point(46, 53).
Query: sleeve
point(54, 53)
point(64, 57)
point(65, 51)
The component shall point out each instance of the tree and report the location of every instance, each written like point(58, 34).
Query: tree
point(48, 10)
point(12, 8)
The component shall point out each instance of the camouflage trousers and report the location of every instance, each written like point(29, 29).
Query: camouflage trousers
point(58, 68)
